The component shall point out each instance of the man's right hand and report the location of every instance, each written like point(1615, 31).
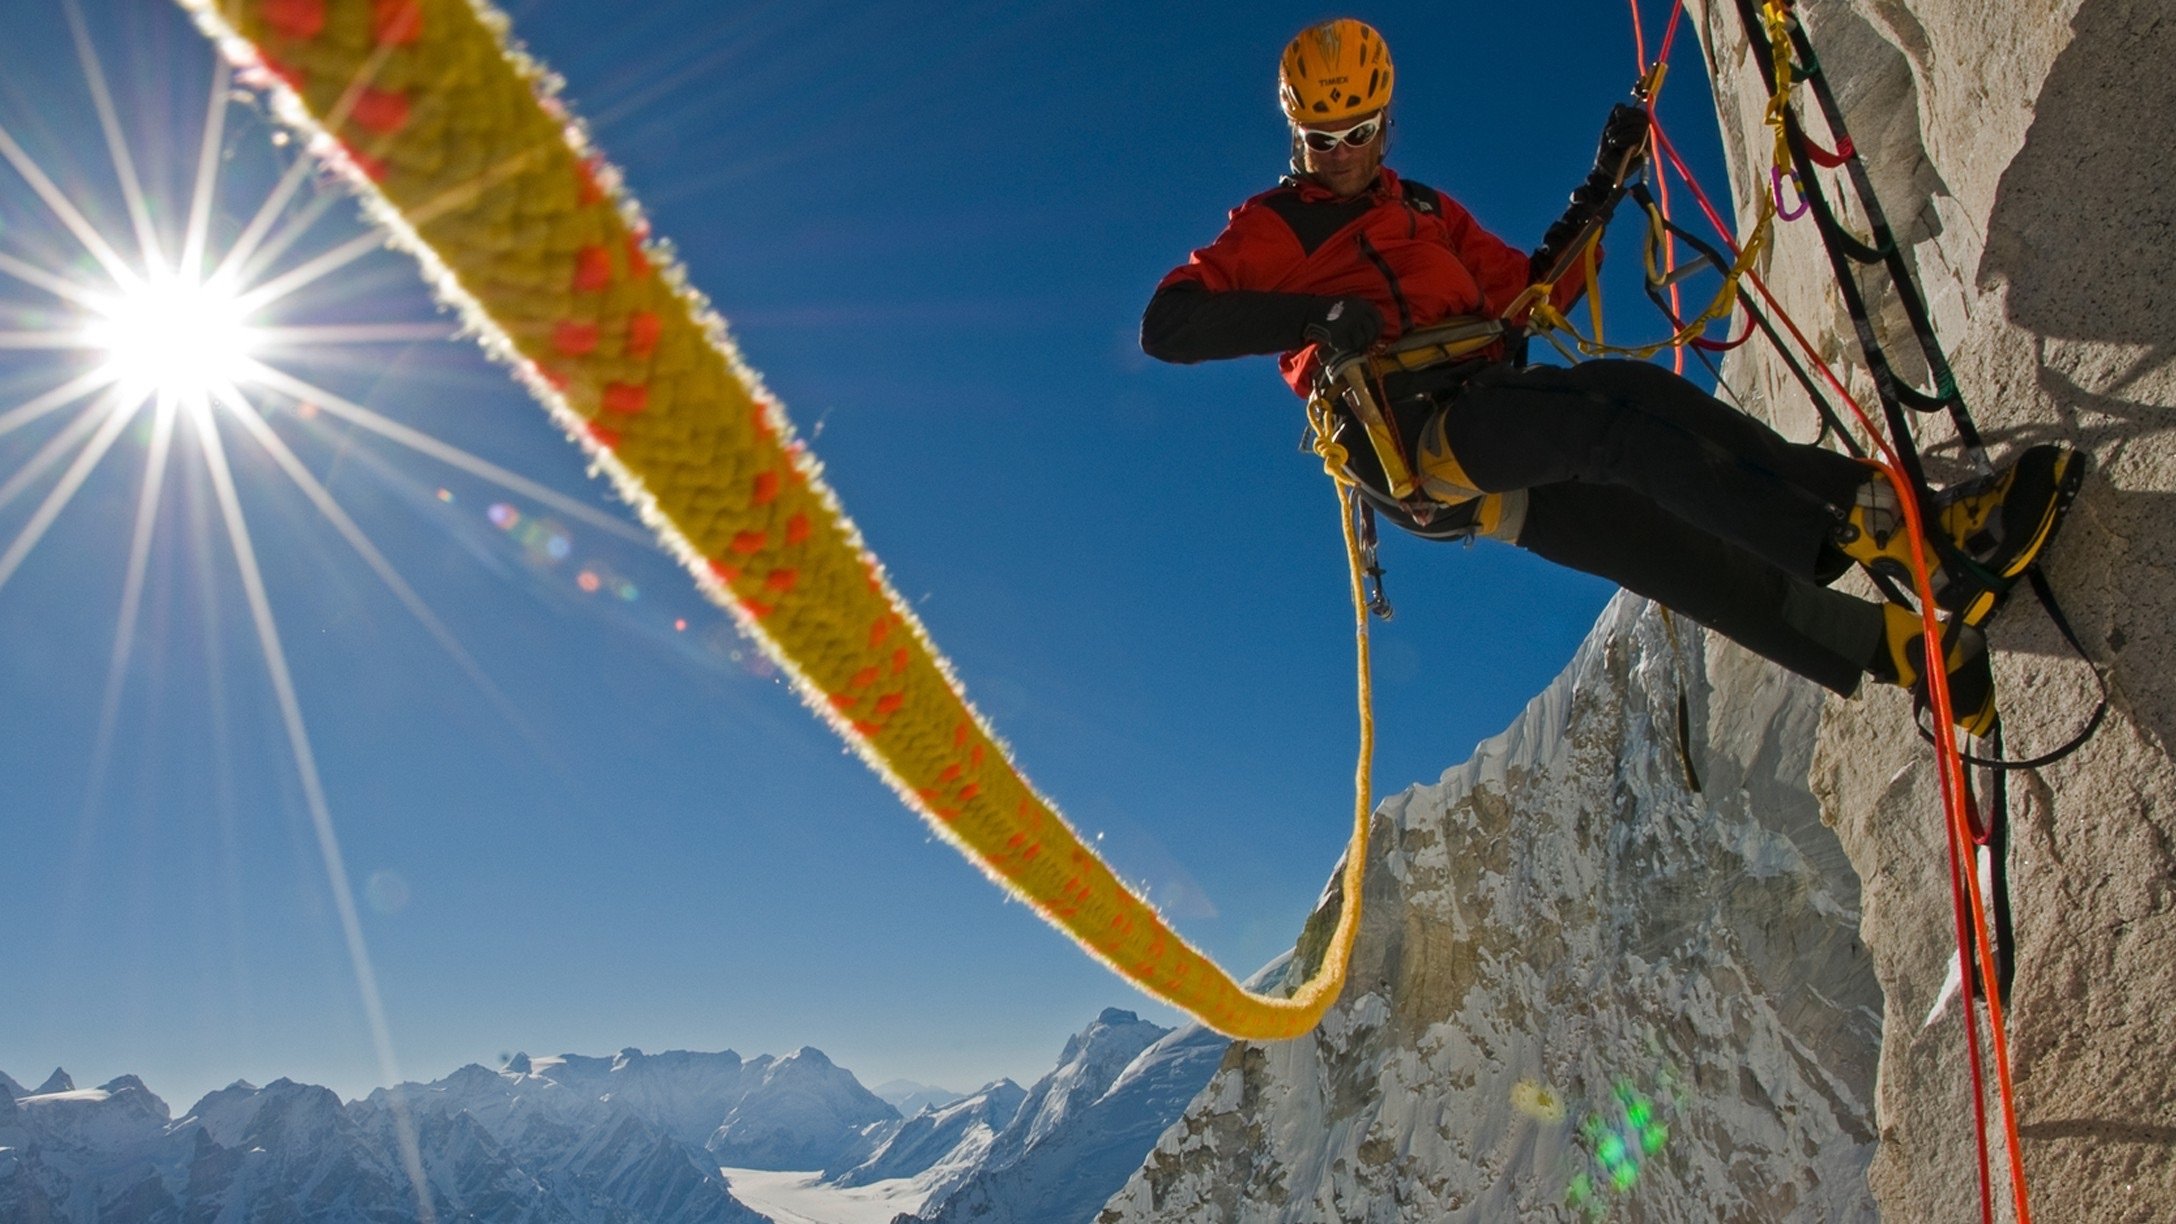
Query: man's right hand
point(1345, 325)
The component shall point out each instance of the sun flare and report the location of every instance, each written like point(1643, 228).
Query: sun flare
point(174, 336)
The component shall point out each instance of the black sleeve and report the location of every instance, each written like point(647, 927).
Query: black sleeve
point(1186, 323)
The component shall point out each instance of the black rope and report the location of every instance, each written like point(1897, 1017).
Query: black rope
point(1998, 871)
point(1885, 245)
point(2046, 595)
point(1831, 422)
point(1837, 243)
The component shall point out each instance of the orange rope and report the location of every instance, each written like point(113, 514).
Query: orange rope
point(1662, 181)
point(1964, 866)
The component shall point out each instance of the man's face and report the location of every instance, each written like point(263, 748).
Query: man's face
point(1345, 168)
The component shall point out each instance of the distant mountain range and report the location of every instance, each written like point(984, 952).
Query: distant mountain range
point(601, 1140)
point(910, 1098)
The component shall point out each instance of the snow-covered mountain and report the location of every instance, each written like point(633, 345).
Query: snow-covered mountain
point(684, 1092)
point(610, 1130)
point(910, 1098)
point(942, 1146)
point(1611, 955)
point(1079, 1133)
point(802, 1112)
point(514, 1147)
point(610, 1140)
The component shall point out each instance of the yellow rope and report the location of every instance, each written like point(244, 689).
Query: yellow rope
point(1591, 260)
point(471, 163)
point(1548, 318)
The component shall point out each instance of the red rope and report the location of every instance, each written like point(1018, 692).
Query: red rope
point(1822, 157)
point(1669, 36)
point(1706, 345)
point(1951, 765)
point(1662, 181)
point(1965, 893)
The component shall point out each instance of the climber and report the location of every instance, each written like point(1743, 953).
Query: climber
point(1616, 468)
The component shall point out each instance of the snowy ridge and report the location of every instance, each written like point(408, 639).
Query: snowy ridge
point(803, 1112)
point(910, 1098)
point(1082, 1129)
point(1579, 978)
point(942, 1146)
point(611, 1140)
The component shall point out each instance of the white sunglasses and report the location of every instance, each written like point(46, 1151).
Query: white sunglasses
point(1322, 141)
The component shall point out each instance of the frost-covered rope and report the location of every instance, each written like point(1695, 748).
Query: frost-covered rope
point(468, 158)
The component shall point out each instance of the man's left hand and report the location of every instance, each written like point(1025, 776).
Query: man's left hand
point(1625, 132)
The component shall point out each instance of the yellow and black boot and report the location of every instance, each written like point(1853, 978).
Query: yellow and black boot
point(2001, 525)
point(1991, 529)
point(1902, 660)
point(1872, 532)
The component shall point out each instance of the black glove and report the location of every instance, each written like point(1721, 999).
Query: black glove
point(1345, 325)
point(1565, 231)
point(1623, 132)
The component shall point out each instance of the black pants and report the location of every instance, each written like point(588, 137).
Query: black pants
point(1635, 475)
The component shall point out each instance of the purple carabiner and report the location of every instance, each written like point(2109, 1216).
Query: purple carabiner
point(1775, 178)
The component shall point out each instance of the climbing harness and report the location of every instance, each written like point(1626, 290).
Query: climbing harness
point(1423, 363)
point(1355, 382)
point(464, 154)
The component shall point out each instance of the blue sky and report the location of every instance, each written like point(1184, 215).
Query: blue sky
point(602, 824)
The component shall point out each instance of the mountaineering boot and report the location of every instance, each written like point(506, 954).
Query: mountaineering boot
point(1901, 660)
point(1994, 528)
point(1872, 532)
point(2001, 524)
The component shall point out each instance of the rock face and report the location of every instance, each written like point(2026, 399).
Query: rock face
point(1586, 982)
point(2010, 149)
point(1579, 978)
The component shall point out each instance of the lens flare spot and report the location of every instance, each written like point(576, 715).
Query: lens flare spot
point(503, 516)
point(588, 581)
point(1624, 1134)
point(387, 892)
point(1537, 1101)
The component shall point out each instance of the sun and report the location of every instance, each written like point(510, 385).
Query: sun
point(174, 336)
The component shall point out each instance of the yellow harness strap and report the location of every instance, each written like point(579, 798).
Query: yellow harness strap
point(1353, 382)
point(471, 163)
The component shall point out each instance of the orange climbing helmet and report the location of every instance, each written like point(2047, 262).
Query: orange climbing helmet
point(1332, 70)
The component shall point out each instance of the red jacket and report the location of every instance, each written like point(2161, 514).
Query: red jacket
point(1411, 250)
